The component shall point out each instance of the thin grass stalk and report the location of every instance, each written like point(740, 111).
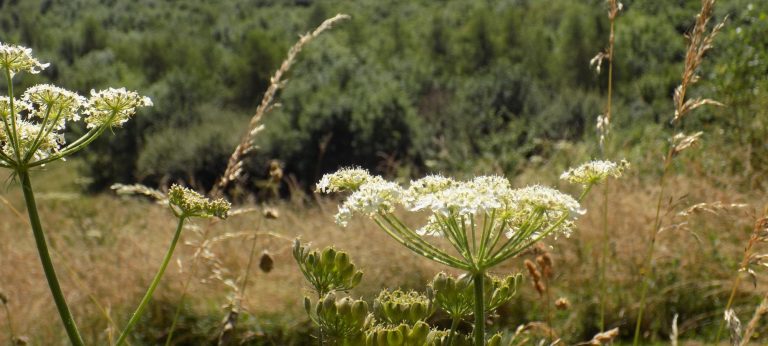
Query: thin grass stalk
point(761, 310)
point(645, 271)
point(753, 239)
point(604, 257)
point(153, 285)
point(45, 259)
point(612, 14)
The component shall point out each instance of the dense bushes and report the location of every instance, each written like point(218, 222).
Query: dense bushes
point(406, 85)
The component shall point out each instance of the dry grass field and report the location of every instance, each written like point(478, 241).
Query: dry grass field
point(106, 247)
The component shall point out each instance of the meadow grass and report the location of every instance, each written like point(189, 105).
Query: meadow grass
point(113, 244)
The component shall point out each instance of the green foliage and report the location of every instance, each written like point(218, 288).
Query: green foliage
point(406, 86)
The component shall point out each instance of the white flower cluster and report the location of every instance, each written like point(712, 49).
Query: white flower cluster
point(16, 59)
point(451, 201)
point(31, 127)
point(53, 102)
point(594, 172)
point(345, 179)
point(113, 107)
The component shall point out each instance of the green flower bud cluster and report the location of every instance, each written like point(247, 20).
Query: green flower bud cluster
point(340, 319)
point(500, 291)
point(417, 334)
point(328, 270)
point(454, 296)
point(188, 203)
point(396, 307)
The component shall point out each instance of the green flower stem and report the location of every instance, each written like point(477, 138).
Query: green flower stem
point(45, 259)
point(418, 241)
point(43, 132)
point(479, 331)
point(11, 129)
point(454, 325)
point(151, 290)
point(437, 257)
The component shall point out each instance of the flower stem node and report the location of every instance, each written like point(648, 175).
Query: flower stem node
point(188, 203)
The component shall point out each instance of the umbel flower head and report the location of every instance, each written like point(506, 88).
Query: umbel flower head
point(594, 172)
point(31, 131)
point(113, 107)
point(17, 59)
point(188, 203)
point(473, 215)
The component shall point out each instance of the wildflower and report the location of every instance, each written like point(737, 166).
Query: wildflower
point(16, 59)
point(192, 204)
point(345, 179)
point(113, 107)
point(377, 196)
point(424, 187)
point(59, 103)
point(26, 134)
point(594, 172)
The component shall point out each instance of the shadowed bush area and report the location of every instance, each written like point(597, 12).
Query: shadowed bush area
point(405, 87)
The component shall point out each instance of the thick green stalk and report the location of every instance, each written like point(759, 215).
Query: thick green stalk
point(45, 259)
point(479, 332)
point(152, 286)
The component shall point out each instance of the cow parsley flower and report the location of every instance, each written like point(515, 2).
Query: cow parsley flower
point(594, 172)
point(113, 107)
point(59, 102)
point(345, 179)
point(26, 134)
point(17, 58)
point(192, 204)
point(425, 187)
point(371, 198)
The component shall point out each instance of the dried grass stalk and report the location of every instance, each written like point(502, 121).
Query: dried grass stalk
point(235, 164)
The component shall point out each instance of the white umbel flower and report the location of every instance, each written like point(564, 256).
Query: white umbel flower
point(59, 102)
point(17, 59)
point(371, 198)
point(121, 103)
point(594, 172)
point(345, 179)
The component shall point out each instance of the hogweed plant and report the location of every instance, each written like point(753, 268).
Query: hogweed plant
point(32, 135)
point(484, 220)
point(184, 204)
point(398, 318)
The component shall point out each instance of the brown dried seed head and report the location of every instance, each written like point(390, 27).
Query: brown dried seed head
point(545, 263)
point(266, 263)
point(562, 303)
point(540, 287)
point(532, 270)
point(3, 298)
